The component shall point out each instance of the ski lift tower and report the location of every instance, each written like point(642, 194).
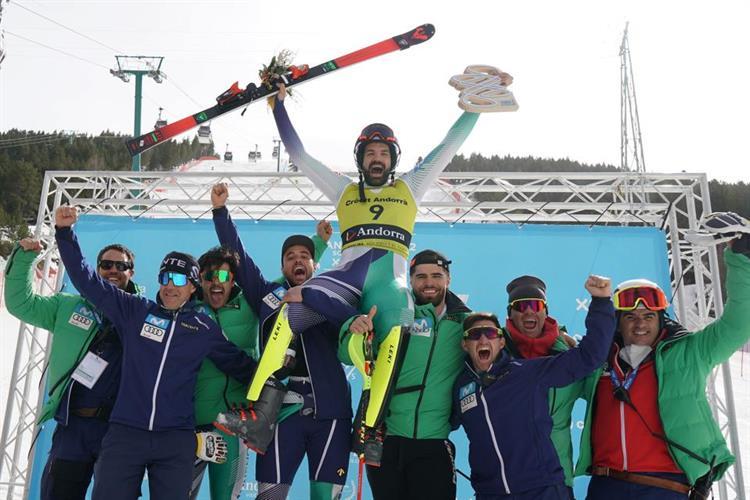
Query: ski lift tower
point(138, 66)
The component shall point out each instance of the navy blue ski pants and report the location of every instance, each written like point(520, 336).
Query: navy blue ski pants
point(327, 443)
point(128, 452)
point(75, 448)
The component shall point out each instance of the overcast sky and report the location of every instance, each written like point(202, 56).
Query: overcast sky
point(690, 61)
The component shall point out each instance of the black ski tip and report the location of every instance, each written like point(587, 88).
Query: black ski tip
point(429, 29)
point(416, 36)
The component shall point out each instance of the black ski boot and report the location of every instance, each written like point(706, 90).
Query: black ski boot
point(255, 425)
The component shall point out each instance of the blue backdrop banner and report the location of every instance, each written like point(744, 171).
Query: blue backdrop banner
point(485, 258)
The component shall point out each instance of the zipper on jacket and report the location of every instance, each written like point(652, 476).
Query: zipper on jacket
point(623, 440)
point(424, 377)
point(494, 444)
point(158, 375)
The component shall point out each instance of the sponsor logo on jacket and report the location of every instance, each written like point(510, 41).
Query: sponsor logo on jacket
point(467, 396)
point(422, 327)
point(273, 299)
point(154, 328)
point(82, 317)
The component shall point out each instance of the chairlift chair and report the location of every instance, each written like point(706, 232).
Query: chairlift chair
point(160, 122)
point(204, 134)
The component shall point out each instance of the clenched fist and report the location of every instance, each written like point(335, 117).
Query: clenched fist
point(66, 216)
point(599, 286)
point(219, 195)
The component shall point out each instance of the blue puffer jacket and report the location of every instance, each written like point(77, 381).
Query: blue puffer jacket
point(162, 349)
point(331, 390)
point(505, 411)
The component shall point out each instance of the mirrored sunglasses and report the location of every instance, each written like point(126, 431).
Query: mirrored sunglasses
point(121, 265)
point(652, 298)
point(520, 305)
point(178, 279)
point(490, 332)
point(222, 275)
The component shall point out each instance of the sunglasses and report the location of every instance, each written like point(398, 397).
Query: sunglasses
point(490, 332)
point(121, 265)
point(222, 275)
point(178, 279)
point(520, 305)
point(628, 299)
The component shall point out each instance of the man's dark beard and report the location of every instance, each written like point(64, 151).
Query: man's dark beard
point(421, 300)
point(370, 182)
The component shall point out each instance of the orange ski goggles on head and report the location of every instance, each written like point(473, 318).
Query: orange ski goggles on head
point(652, 298)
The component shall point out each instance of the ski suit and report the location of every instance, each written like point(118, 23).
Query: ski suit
point(376, 236)
point(81, 413)
point(669, 390)
point(320, 423)
point(505, 413)
point(418, 459)
point(152, 424)
point(216, 392)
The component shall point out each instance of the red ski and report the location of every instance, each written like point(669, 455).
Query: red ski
point(235, 97)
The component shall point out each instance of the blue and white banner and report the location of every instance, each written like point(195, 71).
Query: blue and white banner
point(485, 258)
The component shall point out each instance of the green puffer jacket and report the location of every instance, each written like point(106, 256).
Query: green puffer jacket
point(561, 401)
point(421, 404)
point(213, 389)
point(70, 318)
point(682, 364)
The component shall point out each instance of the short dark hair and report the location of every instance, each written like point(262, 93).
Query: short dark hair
point(219, 255)
point(472, 318)
point(118, 247)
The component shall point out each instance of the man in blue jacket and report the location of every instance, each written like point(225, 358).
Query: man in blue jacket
point(164, 343)
point(502, 402)
point(316, 416)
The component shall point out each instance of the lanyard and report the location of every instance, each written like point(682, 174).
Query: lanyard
point(627, 383)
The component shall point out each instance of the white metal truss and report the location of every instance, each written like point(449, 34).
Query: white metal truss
point(672, 202)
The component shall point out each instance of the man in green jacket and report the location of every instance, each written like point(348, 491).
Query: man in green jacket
point(418, 458)
point(83, 370)
point(649, 431)
point(531, 333)
point(215, 392)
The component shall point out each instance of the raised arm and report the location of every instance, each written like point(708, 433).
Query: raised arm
point(421, 177)
point(574, 364)
point(330, 183)
point(20, 298)
point(116, 304)
point(254, 285)
point(720, 339)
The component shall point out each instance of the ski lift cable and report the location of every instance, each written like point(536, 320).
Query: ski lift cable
point(33, 143)
point(15, 2)
point(57, 50)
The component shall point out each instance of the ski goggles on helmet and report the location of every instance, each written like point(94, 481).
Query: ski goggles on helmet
point(120, 265)
point(521, 305)
point(221, 275)
point(178, 279)
point(377, 132)
point(652, 298)
point(476, 332)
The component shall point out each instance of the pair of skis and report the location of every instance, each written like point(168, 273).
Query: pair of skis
point(235, 97)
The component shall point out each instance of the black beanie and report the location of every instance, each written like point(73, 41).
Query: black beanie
point(298, 239)
point(526, 287)
point(183, 263)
